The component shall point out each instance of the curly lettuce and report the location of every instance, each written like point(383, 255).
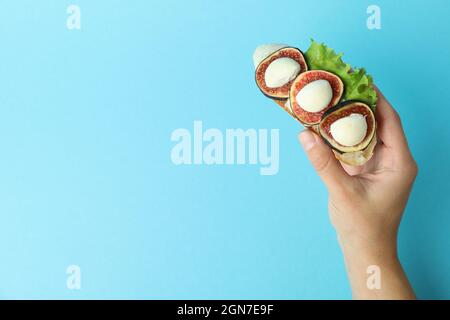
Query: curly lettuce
point(357, 83)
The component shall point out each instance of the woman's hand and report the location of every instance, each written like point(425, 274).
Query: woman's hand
point(366, 204)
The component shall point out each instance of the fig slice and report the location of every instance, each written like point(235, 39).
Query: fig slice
point(275, 73)
point(349, 127)
point(314, 92)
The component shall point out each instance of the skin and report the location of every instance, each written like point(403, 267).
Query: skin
point(366, 204)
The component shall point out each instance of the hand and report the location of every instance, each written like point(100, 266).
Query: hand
point(366, 203)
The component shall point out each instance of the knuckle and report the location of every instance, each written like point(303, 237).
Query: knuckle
point(396, 116)
point(411, 170)
point(414, 169)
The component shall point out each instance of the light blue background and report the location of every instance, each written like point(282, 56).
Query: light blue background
point(85, 170)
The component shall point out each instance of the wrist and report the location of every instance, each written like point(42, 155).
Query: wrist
point(383, 249)
point(375, 272)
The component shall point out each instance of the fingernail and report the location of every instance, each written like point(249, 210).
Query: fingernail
point(307, 139)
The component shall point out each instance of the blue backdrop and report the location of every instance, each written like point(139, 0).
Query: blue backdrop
point(86, 176)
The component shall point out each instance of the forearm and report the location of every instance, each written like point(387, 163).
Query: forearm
point(376, 274)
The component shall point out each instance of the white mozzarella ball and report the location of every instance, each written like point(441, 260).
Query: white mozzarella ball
point(265, 50)
point(315, 96)
point(349, 131)
point(281, 71)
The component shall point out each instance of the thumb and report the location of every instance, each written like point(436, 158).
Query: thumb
point(322, 158)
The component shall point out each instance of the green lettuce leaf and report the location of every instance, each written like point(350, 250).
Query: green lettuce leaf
point(357, 83)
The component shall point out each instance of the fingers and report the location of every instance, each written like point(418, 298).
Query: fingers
point(323, 160)
point(352, 170)
point(390, 130)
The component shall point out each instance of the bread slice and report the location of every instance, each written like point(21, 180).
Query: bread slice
point(357, 158)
